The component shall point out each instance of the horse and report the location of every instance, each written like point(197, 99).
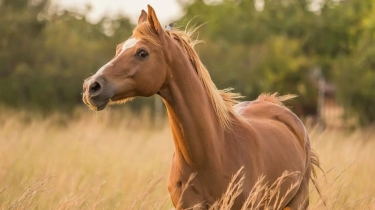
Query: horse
point(214, 134)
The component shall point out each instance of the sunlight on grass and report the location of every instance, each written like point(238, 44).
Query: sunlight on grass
point(117, 160)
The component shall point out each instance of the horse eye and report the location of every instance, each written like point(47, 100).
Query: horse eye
point(142, 53)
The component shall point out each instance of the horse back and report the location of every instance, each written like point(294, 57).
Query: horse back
point(265, 115)
point(279, 134)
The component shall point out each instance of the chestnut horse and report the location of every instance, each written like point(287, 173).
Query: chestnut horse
point(214, 136)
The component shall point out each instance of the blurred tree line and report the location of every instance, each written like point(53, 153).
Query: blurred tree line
point(287, 45)
point(252, 45)
point(45, 53)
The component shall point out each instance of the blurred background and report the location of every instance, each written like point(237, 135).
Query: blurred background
point(321, 50)
point(57, 154)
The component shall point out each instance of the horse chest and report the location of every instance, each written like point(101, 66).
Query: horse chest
point(188, 188)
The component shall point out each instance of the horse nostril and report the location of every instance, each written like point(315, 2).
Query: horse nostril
point(94, 87)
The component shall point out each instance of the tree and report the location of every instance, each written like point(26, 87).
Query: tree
point(355, 70)
point(276, 47)
point(259, 50)
point(45, 57)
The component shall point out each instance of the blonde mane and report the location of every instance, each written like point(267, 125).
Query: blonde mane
point(222, 100)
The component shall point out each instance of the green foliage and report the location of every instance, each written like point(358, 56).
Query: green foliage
point(277, 46)
point(355, 72)
point(44, 58)
point(259, 50)
point(356, 81)
point(45, 55)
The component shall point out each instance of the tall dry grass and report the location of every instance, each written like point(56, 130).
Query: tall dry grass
point(348, 159)
point(104, 161)
point(117, 160)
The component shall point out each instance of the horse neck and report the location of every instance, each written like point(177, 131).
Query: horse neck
point(197, 132)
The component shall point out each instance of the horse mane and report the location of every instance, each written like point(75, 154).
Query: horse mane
point(222, 100)
point(275, 98)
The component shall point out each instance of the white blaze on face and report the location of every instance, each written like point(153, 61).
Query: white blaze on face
point(127, 45)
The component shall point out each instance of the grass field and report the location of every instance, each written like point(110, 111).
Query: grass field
point(114, 160)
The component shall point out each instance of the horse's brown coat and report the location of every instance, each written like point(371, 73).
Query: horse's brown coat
point(213, 139)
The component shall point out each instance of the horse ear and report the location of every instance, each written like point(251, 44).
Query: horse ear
point(153, 20)
point(142, 18)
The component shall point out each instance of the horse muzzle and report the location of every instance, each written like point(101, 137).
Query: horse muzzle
point(95, 95)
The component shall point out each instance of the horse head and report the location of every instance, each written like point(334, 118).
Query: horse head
point(138, 68)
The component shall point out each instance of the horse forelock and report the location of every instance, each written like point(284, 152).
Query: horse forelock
point(144, 31)
point(222, 100)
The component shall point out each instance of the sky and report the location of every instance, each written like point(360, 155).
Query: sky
point(166, 10)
